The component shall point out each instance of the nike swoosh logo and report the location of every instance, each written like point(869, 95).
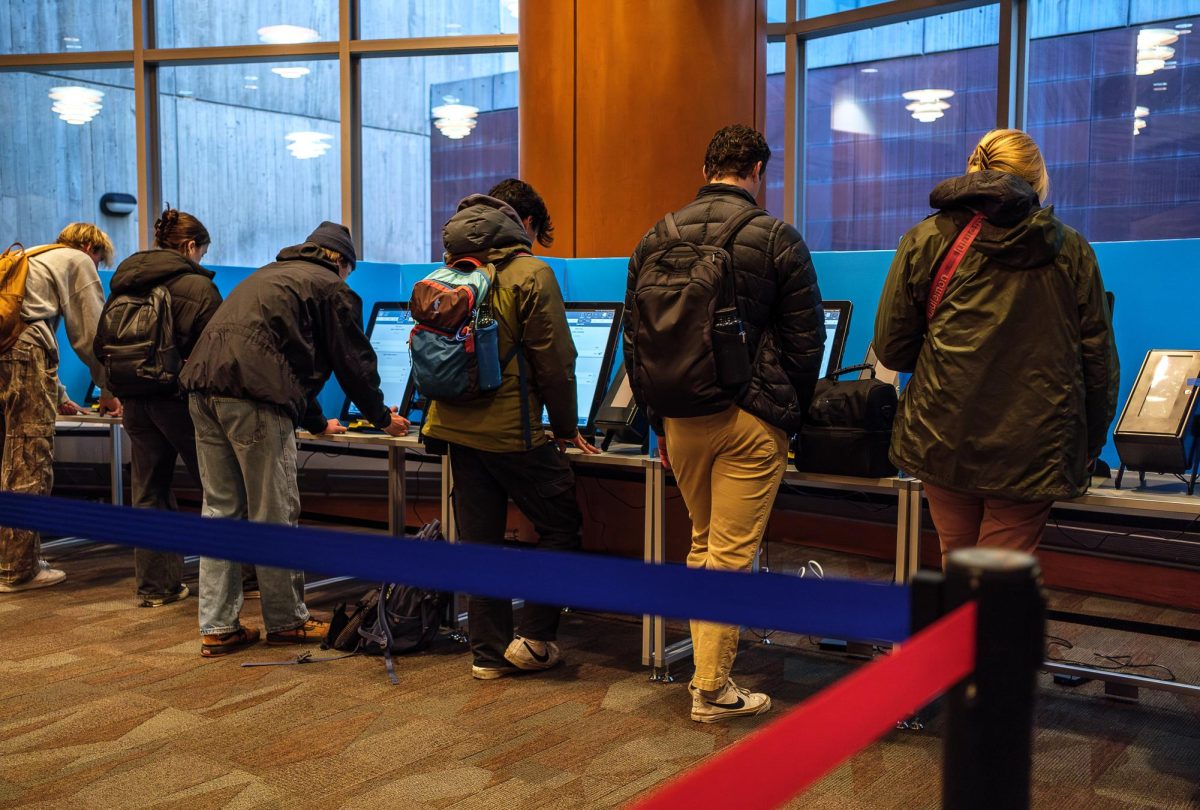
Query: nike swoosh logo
point(737, 705)
point(541, 659)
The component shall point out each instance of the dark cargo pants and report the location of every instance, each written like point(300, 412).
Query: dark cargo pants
point(542, 485)
point(28, 390)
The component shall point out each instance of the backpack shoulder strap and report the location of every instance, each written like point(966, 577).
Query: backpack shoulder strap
point(729, 230)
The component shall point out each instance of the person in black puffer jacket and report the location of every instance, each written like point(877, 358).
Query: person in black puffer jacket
point(159, 427)
point(729, 454)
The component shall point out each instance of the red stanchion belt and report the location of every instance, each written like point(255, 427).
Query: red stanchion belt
point(767, 768)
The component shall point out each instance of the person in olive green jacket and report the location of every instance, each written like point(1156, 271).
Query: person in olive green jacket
point(1015, 376)
point(498, 447)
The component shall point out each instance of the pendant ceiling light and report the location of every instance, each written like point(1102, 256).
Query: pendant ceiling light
point(76, 105)
point(1139, 119)
point(291, 72)
point(454, 120)
point(307, 145)
point(1154, 49)
point(286, 34)
point(927, 105)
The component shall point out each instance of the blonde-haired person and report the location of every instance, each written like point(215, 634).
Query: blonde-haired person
point(62, 285)
point(86, 238)
point(1015, 374)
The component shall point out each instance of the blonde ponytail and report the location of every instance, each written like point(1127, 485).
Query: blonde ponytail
point(1014, 152)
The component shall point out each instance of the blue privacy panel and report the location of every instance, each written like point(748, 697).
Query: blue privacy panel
point(1157, 285)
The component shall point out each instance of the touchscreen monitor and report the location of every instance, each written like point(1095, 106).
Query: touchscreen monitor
point(388, 331)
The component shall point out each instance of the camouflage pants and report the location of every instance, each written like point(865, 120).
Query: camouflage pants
point(27, 395)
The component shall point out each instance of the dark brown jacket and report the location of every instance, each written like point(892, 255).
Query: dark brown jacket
point(1015, 378)
point(528, 305)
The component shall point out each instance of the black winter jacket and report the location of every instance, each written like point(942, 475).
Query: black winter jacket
point(280, 334)
point(194, 297)
point(778, 299)
point(1015, 379)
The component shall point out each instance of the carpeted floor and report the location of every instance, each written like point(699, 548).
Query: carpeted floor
point(106, 705)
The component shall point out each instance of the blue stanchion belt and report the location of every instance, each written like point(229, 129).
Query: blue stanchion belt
point(836, 608)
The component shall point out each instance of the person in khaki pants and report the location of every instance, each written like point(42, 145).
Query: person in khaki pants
point(728, 446)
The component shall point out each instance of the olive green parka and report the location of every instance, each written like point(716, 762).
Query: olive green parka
point(1015, 378)
point(528, 305)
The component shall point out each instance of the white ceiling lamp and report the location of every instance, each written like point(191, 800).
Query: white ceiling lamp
point(454, 120)
point(76, 105)
point(1154, 49)
point(307, 145)
point(1139, 119)
point(291, 72)
point(286, 34)
point(927, 105)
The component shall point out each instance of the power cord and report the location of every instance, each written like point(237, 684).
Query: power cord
point(1116, 663)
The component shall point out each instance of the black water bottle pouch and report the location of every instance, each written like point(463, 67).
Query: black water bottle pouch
point(730, 352)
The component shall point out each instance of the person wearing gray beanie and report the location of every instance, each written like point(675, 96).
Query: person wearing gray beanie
point(252, 379)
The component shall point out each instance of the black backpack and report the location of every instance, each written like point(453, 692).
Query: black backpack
point(135, 342)
point(391, 619)
point(848, 427)
point(690, 355)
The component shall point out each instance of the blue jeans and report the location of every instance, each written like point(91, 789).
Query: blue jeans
point(247, 456)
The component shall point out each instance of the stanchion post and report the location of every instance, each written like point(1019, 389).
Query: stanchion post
point(989, 734)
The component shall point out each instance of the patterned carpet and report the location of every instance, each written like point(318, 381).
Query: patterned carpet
point(106, 705)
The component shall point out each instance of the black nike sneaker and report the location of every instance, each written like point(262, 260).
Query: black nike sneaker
point(532, 655)
point(731, 701)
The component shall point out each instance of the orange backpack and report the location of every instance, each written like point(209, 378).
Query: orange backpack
point(14, 269)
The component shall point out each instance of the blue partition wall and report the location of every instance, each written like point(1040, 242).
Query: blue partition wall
point(1156, 284)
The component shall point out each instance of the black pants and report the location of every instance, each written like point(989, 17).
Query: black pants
point(160, 431)
point(542, 485)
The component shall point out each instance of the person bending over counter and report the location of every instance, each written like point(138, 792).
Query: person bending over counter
point(253, 378)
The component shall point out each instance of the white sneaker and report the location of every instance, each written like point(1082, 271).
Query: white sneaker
point(732, 701)
point(531, 655)
point(46, 576)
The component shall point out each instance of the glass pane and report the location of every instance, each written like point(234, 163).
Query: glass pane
point(417, 164)
point(777, 10)
point(1116, 112)
point(253, 151)
point(776, 121)
point(65, 26)
point(197, 23)
point(890, 112)
point(819, 8)
point(56, 170)
point(396, 19)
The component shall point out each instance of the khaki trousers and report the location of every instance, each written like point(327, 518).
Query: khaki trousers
point(728, 466)
point(964, 520)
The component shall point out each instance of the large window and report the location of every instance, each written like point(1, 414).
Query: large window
point(197, 23)
point(252, 153)
point(65, 26)
point(435, 129)
point(890, 112)
point(1114, 103)
point(437, 18)
point(776, 127)
point(72, 142)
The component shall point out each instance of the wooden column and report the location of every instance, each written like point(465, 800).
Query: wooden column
point(619, 99)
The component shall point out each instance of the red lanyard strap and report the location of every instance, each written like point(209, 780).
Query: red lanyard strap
point(949, 264)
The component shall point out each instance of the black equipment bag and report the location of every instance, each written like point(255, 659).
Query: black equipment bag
point(848, 427)
point(391, 619)
point(135, 342)
point(690, 355)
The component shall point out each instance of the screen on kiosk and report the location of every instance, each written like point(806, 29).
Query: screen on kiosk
point(590, 329)
point(389, 338)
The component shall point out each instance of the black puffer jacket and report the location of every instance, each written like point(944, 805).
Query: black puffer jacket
point(778, 299)
point(194, 297)
point(280, 334)
point(1015, 378)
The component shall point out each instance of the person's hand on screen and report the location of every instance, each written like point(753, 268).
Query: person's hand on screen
point(333, 427)
point(69, 408)
point(399, 425)
point(579, 442)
